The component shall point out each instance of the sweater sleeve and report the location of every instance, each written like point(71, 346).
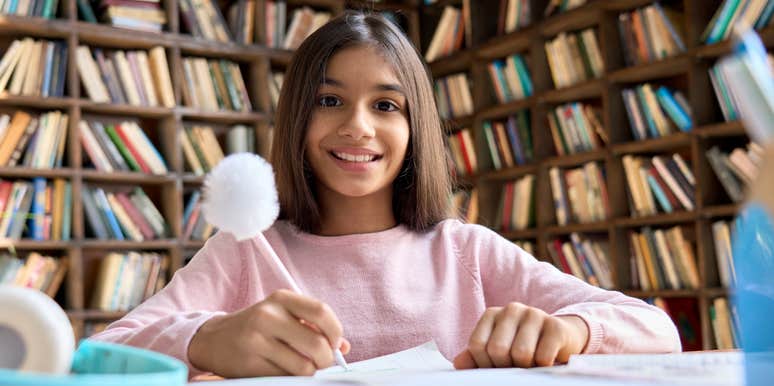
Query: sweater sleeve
point(207, 286)
point(617, 323)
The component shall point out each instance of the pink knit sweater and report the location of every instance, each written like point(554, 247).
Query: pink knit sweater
point(391, 290)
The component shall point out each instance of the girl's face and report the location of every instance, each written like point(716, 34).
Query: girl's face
point(358, 133)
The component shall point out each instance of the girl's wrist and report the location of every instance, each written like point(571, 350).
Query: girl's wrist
point(199, 346)
point(579, 332)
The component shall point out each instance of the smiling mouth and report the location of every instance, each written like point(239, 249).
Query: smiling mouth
point(360, 158)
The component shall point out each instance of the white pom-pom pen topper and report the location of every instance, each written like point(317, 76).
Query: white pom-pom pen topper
point(240, 197)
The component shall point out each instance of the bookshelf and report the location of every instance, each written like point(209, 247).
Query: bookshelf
point(686, 71)
point(162, 125)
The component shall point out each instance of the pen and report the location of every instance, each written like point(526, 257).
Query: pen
point(338, 357)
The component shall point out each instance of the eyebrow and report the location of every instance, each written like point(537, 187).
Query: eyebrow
point(381, 87)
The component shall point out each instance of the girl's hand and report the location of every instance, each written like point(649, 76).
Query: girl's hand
point(285, 334)
point(521, 336)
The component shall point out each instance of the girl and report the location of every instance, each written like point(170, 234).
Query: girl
point(365, 232)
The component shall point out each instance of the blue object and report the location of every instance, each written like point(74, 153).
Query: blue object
point(106, 364)
point(754, 292)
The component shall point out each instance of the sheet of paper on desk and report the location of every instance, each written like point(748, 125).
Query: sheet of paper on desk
point(375, 371)
point(719, 368)
point(423, 358)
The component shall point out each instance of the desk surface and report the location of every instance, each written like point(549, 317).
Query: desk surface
point(714, 368)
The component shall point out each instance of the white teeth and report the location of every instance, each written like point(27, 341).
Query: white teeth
point(355, 158)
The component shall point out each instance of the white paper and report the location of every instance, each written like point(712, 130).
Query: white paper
point(421, 359)
point(692, 368)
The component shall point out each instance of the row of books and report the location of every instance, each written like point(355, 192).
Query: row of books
point(585, 258)
point(276, 22)
point(575, 128)
point(43, 273)
point(516, 209)
point(465, 204)
point(34, 68)
point(214, 84)
point(462, 152)
point(660, 181)
point(274, 82)
point(125, 280)
point(662, 259)
point(736, 169)
point(33, 141)
point(728, 104)
point(37, 209)
point(241, 20)
point(574, 57)
point(46, 9)
point(452, 94)
point(722, 234)
point(143, 15)
point(509, 141)
point(579, 194)
point(740, 13)
point(201, 148)
point(650, 33)
point(51, 208)
point(135, 77)
point(122, 215)
point(522, 9)
point(303, 23)
point(725, 324)
point(648, 110)
point(120, 146)
point(195, 227)
point(204, 20)
point(514, 15)
point(449, 34)
point(511, 79)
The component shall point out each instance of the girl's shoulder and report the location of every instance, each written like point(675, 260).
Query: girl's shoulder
point(462, 230)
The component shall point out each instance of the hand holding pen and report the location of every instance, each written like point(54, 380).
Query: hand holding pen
point(285, 334)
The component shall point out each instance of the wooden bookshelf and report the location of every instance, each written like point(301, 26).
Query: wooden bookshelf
point(688, 70)
point(166, 191)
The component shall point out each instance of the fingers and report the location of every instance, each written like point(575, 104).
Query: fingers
point(522, 351)
point(307, 342)
point(313, 311)
point(287, 360)
point(277, 323)
point(264, 368)
point(480, 337)
point(551, 341)
point(499, 346)
point(464, 360)
point(516, 336)
point(345, 346)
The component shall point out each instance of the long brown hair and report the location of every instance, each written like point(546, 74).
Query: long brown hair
point(422, 189)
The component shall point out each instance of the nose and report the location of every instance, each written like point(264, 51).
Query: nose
point(357, 124)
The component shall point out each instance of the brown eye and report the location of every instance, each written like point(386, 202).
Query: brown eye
point(329, 101)
point(386, 106)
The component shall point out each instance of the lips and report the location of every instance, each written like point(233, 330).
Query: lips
point(355, 158)
point(355, 155)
